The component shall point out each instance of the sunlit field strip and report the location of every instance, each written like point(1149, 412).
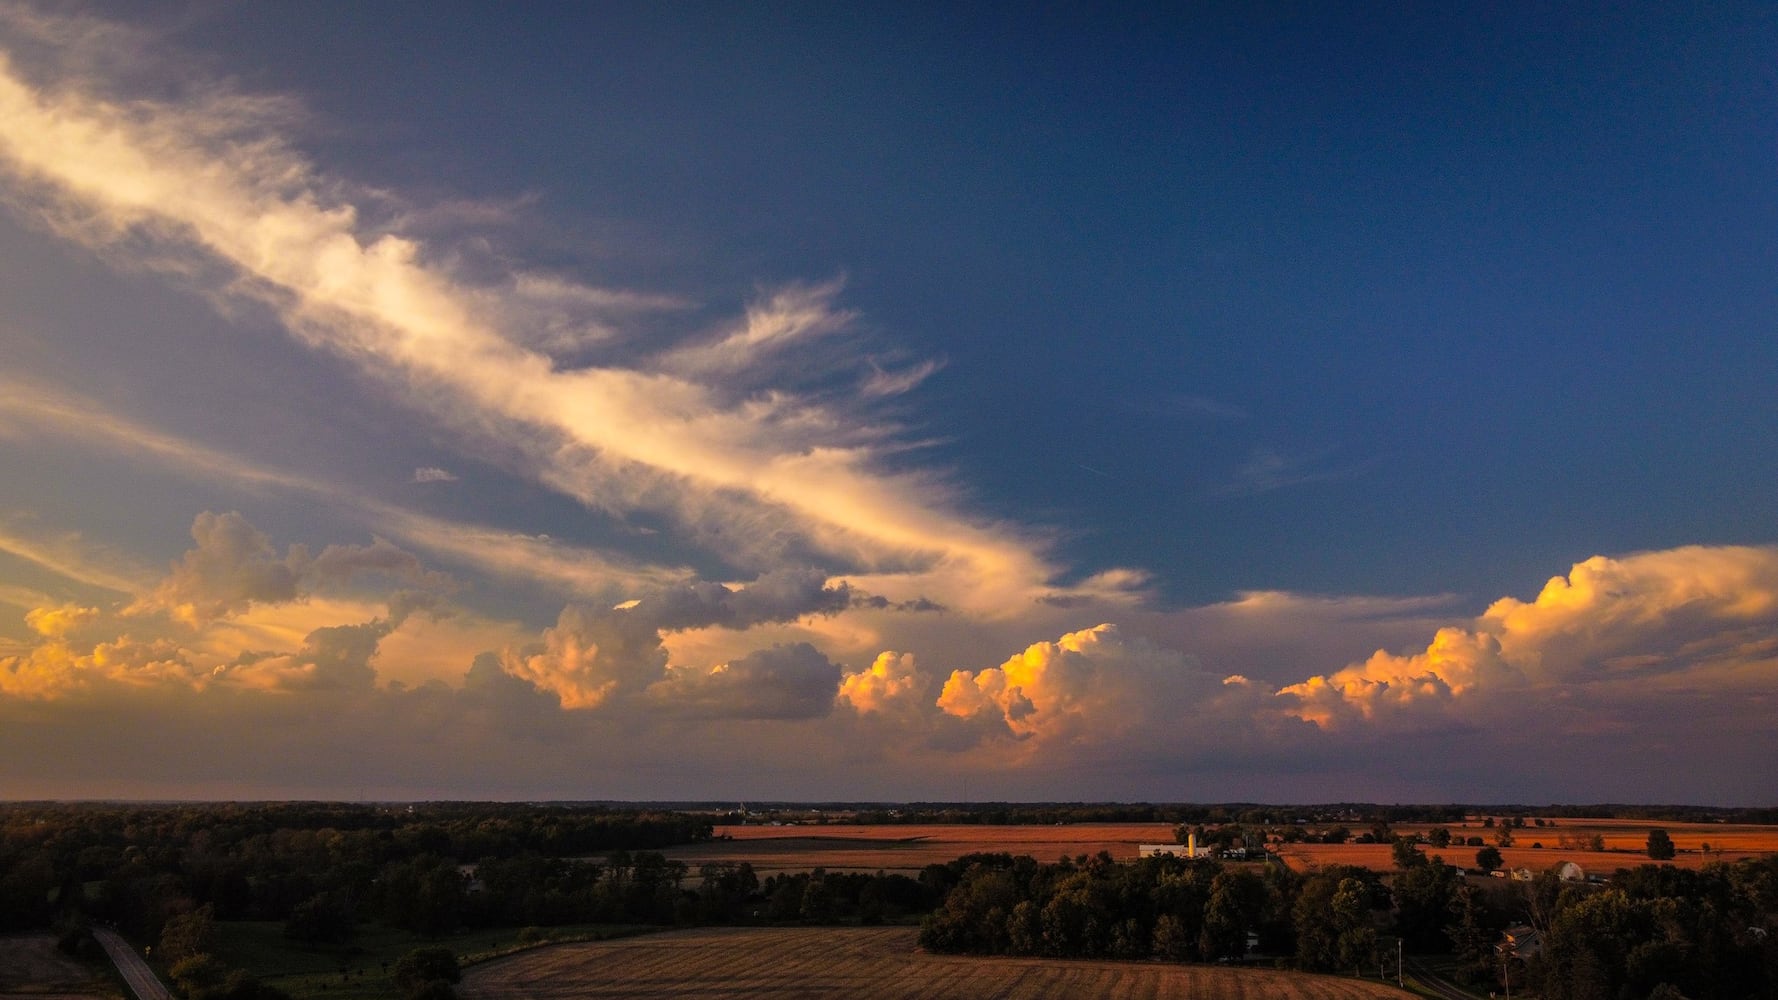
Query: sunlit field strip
point(734, 963)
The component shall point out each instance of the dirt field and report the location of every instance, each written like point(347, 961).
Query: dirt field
point(882, 963)
point(907, 849)
point(1626, 843)
point(30, 966)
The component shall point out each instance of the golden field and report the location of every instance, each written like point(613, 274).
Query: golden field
point(734, 962)
point(909, 848)
point(1626, 843)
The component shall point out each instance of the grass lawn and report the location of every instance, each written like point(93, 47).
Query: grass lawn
point(360, 971)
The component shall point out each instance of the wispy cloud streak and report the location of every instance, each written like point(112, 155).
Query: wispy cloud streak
point(754, 475)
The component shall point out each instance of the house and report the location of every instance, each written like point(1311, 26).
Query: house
point(1523, 875)
point(1521, 941)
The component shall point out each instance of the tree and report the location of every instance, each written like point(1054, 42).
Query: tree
point(1439, 837)
point(1406, 854)
point(324, 918)
point(1488, 858)
point(188, 934)
point(1660, 846)
point(418, 969)
point(1357, 939)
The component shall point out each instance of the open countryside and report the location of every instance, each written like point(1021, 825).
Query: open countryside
point(737, 963)
point(909, 848)
point(366, 901)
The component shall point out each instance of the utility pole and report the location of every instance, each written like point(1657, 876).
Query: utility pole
point(1398, 964)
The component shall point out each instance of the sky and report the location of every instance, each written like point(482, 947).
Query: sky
point(801, 401)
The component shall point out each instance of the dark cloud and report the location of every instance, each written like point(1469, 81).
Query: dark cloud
point(235, 566)
point(592, 655)
point(793, 681)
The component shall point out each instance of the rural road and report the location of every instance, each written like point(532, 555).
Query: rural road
point(1433, 982)
point(130, 965)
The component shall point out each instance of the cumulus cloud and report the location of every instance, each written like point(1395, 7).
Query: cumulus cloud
point(592, 655)
point(794, 681)
point(1095, 684)
point(433, 474)
point(890, 685)
point(1695, 610)
point(58, 622)
point(235, 566)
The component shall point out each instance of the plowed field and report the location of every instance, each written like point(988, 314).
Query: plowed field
point(874, 963)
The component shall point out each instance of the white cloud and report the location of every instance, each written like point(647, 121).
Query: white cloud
point(754, 478)
point(433, 474)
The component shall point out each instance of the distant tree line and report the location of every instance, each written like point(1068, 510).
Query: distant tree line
point(1248, 813)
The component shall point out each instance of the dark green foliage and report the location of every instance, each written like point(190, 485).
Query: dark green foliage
point(1660, 846)
point(324, 918)
point(1423, 897)
point(426, 965)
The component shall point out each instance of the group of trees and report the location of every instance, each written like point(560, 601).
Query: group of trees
point(1699, 934)
point(164, 875)
point(1164, 906)
point(1705, 934)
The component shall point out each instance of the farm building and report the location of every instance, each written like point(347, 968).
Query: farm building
point(1189, 849)
point(1568, 871)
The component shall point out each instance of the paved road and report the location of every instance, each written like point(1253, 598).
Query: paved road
point(130, 965)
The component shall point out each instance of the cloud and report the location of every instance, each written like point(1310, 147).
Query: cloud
point(72, 557)
point(1698, 611)
point(885, 382)
point(433, 474)
point(510, 554)
point(336, 658)
point(593, 655)
point(234, 566)
point(792, 681)
point(1093, 685)
point(755, 470)
point(57, 623)
point(890, 685)
point(1267, 469)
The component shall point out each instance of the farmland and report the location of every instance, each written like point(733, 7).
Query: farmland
point(722, 963)
point(30, 966)
point(909, 848)
point(1625, 843)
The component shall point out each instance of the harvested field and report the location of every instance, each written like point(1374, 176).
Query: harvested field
point(1626, 843)
point(30, 966)
point(735, 962)
point(907, 849)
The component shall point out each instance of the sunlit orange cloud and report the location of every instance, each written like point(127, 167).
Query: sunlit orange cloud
point(1677, 615)
point(208, 177)
point(890, 684)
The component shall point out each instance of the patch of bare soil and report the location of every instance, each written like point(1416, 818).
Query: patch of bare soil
point(31, 966)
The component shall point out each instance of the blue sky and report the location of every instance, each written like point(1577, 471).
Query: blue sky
point(796, 401)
